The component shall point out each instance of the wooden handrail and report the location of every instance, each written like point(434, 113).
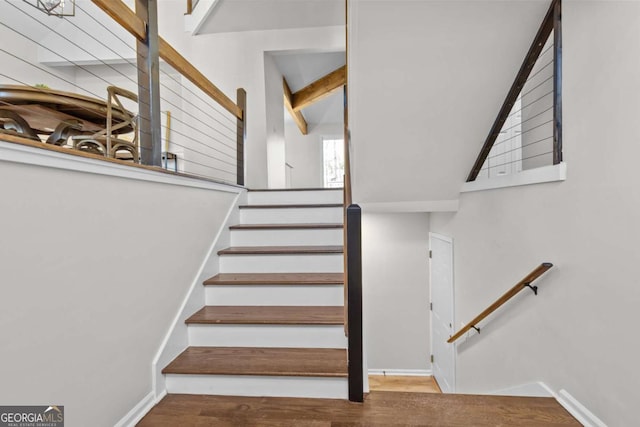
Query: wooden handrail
point(143, 26)
point(526, 282)
point(550, 22)
point(127, 18)
point(347, 201)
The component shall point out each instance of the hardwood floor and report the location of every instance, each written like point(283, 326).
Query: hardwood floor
point(380, 409)
point(403, 383)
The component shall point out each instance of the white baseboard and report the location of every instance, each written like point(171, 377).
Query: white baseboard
point(578, 410)
point(402, 372)
point(568, 402)
point(536, 389)
point(138, 411)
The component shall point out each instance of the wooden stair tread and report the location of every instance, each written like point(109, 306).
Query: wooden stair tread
point(284, 226)
point(280, 250)
point(293, 206)
point(303, 362)
point(276, 279)
point(258, 190)
point(269, 315)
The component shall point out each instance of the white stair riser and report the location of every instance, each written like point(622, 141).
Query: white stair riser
point(295, 197)
point(275, 295)
point(298, 336)
point(291, 216)
point(325, 263)
point(286, 237)
point(244, 385)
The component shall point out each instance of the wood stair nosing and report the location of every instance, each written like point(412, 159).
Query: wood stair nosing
point(260, 361)
point(282, 250)
point(264, 190)
point(268, 315)
point(317, 226)
point(289, 279)
point(293, 206)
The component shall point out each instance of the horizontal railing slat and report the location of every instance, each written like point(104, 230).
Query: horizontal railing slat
point(127, 18)
point(177, 61)
point(523, 74)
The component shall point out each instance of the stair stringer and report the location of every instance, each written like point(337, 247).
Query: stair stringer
point(177, 338)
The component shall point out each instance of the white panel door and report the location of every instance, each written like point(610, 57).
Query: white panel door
point(442, 304)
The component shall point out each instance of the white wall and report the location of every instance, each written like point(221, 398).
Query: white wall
point(232, 60)
point(274, 110)
point(20, 65)
point(395, 277)
point(94, 269)
point(304, 152)
point(426, 79)
point(82, 40)
point(579, 333)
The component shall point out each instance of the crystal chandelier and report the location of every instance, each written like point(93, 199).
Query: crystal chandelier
point(57, 8)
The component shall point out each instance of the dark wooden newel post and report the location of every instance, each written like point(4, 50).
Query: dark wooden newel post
point(241, 134)
point(354, 295)
point(557, 82)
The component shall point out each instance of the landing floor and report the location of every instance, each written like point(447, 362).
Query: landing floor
point(380, 409)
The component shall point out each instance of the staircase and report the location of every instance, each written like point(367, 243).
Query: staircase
point(273, 320)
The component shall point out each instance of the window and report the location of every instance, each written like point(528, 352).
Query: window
point(333, 162)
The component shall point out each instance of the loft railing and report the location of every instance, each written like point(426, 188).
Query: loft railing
point(524, 283)
point(57, 84)
point(528, 130)
point(141, 25)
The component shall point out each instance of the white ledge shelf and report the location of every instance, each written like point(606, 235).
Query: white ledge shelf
point(17, 153)
point(553, 173)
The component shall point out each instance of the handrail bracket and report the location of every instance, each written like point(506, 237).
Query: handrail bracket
point(525, 282)
point(533, 288)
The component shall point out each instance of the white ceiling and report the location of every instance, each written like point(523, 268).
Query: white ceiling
point(252, 15)
point(300, 69)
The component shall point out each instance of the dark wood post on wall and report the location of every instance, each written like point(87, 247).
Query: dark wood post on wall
point(557, 82)
point(354, 297)
point(241, 133)
point(149, 125)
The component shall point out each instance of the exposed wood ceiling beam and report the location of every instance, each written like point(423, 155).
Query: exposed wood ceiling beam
point(319, 89)
point(297, 115)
